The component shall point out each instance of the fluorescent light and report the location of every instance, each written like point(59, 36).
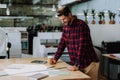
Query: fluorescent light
point(3, 6)
point(53, 8)
point(15, 17)
point(35, 7)
point(36, 1)
point(81, 14)
point(8, 11)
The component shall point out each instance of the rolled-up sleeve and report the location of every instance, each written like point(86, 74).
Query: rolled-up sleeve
point(61, 48)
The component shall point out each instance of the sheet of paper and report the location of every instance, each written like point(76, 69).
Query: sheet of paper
point(15, 69)
point(33, 70)
point(58, 72)
point(38, 76)
point(15, 66)
point(3, 73)
point(117, 55)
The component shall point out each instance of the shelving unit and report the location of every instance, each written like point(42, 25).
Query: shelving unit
point(24, 41)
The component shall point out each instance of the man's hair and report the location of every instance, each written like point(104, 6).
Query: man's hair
point(63, 11)
point(43, 23)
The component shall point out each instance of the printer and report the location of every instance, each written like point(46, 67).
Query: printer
point(111, 47)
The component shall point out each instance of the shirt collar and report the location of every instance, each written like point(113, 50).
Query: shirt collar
point(74, 21)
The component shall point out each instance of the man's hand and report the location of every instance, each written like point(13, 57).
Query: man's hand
point(54, 61)
point(72, 68)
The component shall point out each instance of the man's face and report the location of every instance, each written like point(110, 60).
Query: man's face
point(65, 19)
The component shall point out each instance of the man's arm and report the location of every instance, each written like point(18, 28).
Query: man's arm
point(60, 49)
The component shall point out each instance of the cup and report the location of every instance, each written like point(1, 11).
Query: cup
point(50, 60)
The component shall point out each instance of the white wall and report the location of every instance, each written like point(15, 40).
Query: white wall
point(15, 39)
point(107, 32)
point(98, 5)
point(3, 42)
point(15, 28)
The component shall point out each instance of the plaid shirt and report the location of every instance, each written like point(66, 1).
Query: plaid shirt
point(76, 37)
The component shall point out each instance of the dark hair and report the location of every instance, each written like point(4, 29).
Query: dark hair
point(43, 23)
point(63, 11)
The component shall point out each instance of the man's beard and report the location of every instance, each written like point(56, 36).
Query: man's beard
point(65, 24)
point(68, 23)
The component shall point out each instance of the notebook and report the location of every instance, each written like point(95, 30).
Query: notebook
point(38, 76)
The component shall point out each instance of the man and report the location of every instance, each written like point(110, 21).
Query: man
point(76, 37)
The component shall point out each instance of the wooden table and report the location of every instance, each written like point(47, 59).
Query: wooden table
point(111, 57)
point(73, 75)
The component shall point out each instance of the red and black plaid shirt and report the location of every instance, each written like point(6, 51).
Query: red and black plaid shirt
point(76, 38)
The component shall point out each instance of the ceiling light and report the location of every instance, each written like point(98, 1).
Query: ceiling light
point(15, 17)
point(36, 1)
point(22, 19)
point(8, 11)
point(35, 7)
point(53, 8)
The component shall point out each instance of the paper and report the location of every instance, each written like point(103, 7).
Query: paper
point(35, 71)
point(58, 72)
point(117, 55)
point(38, 76)
point(3, 73)
point(15, 66)
point(16, 69)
